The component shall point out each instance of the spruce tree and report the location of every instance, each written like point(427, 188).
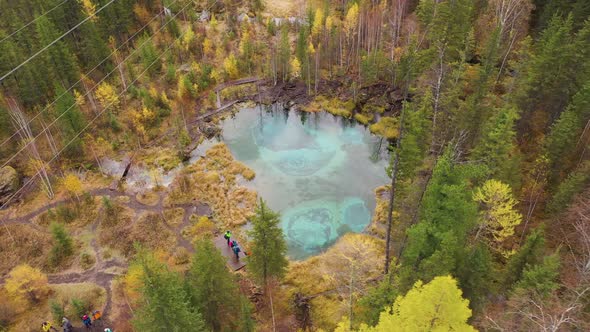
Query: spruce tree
point(212, 288)
point(497, 149)
point(562, 146)
point(541, 279)
point(438, 241)
point(71, 120)
point(528, 255)
point(62, 244)
point(268, 245)
point(61, 60)
point(164, 305)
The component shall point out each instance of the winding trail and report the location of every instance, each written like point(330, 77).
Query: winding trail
point(98, 274)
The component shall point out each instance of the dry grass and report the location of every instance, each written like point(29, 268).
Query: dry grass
point(173, 217)
point(149, 230)
point(199, 229)
point(165, 158)
point(284, 8)
point(327, 275)
point(24, 244)
point(149, 198)
point(214, 182)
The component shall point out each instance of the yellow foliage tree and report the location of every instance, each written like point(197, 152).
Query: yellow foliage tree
point(26, 285)
point(498, 216)
point(80, 101)
point(435, 306)
point(351, 20)
point(318, 23)
point(132, 283)
point(230, 65)
point(330, 23)
point(213, 23)
point(73, 184)
point(188, 38)
point(88, 8)
point(208, 48)
point(143, 119)
point(295, 68)
point(107, 96)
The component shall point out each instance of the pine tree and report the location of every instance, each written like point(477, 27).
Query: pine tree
point(435, 306)
point(212, 288)
point(562, 142)
point(71, 120)
point(574, 184)
point(164, 305)
point(541, 279)
point(62, 244)
point(149, 55)
point(447, 215)
point(496, 148)
point(268, 245)
point(528, 255)
point(63, 63)
point(94, 49)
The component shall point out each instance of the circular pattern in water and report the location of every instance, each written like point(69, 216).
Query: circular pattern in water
point(317, 170)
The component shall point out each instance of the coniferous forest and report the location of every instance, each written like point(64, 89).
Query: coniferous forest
point(135, 133)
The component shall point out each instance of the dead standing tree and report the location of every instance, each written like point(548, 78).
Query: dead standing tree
point(21, 124)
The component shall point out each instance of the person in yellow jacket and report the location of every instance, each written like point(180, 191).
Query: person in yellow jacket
point(46, 327)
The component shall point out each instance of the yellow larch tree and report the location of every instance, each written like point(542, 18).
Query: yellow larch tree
point(107, 96)
point(435, 306)
point(498, 216)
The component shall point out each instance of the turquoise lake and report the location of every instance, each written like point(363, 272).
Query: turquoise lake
point(319, 171)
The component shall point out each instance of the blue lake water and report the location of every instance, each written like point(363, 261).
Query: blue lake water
point(319, 171)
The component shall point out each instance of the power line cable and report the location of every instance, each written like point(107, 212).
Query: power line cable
point(10, 72)
point(33, 21)
point(81, 78)
point(88, 92)
point(44, 165)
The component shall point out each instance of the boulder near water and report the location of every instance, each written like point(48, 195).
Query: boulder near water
point(9, 182)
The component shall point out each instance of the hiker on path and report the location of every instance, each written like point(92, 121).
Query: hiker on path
point(96, 315)
point(236, 249)
point(66, 325)
point(87, 321)
point(46, 327)
point(227, 236)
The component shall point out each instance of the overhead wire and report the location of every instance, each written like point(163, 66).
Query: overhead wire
point(33, 21)
point(44, 165)
point(10, 72)
point(88, 92)
point(82, 77)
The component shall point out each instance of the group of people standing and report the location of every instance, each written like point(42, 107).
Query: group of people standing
point(233, 244)
point(67, 325)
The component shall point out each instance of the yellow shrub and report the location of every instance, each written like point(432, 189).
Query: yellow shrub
point(363, 118)
point(26, 285)
point(387, 127)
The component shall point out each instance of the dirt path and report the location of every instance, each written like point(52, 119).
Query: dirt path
point(98, 273)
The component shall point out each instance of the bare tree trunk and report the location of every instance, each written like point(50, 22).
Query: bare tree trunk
point(392, 193)
point(437, 93)
point(272, 309)
point(27, 136)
